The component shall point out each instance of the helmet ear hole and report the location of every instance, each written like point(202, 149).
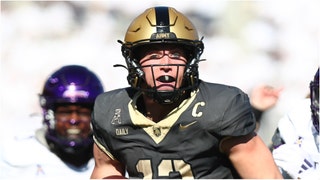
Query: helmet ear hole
point(133, 81)
point(49, 119)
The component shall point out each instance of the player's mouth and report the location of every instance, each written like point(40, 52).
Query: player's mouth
point(166, 82)
point(166, 79)
point(73, 131)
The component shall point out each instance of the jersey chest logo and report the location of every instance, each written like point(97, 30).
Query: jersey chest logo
point(182, 127)
point(157, 131)
point(116, 117)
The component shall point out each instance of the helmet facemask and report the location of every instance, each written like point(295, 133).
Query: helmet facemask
point(314, 97)
point(68, 142)
point(189, 81)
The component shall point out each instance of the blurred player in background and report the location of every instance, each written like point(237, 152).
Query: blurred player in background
point(296, 140)
point(62, 148)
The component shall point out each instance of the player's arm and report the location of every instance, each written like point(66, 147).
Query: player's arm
point(105, 167)
point(250, 156)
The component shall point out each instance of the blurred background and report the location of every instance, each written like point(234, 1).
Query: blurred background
point(247, 43)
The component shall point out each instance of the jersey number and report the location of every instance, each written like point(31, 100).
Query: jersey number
point(165, 168)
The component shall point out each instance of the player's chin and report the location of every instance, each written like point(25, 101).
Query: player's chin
point(115, 177)
point(166, 87)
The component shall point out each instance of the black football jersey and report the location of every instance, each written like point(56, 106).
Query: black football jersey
point(183, 145)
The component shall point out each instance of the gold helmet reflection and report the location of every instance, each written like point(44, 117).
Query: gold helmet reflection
point(160, 24)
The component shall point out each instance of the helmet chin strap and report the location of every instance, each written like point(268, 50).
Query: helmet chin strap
point(167, 97)
point(75, 157)
point(164, 97)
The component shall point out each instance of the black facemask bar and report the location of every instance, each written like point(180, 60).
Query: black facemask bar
point(163, 96)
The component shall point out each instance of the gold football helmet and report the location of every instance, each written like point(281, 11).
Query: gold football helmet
point(158, 24)
point(162, 25)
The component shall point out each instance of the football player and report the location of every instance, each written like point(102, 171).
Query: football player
point(63, 146)
point(169, 123)
point(296, 140)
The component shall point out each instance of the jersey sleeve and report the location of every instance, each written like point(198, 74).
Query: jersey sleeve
point(109, 115)
point(238, 118)
point(98, 121)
